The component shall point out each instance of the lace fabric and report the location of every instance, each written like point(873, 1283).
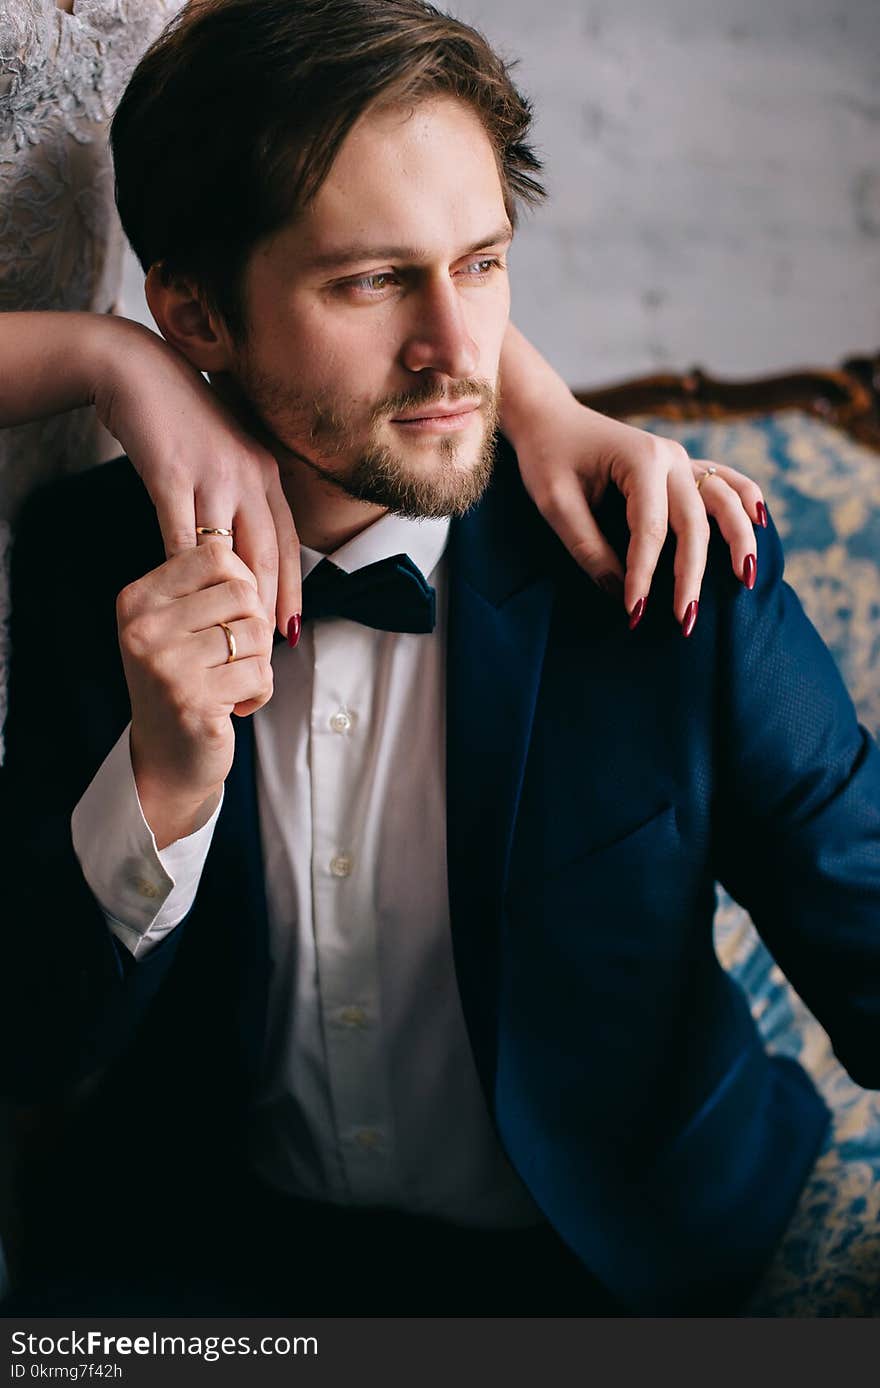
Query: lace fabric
point(61, 244)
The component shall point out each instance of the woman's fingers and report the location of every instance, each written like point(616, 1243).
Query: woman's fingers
point(175, 512)
point(264, 536)
point(727, 505)
point(565, 508)
point(201, 468)
point(750, 495)
point(289, 599)
point(647, 515)
point(687, 516)
point(256, 544)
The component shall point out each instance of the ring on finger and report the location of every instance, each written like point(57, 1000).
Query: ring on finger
point(213, 530)
point(710, 472)
point(230, 642)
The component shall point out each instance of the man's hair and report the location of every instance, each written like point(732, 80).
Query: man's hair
point(233, 118)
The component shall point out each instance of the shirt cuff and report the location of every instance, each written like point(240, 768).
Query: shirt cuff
point(144, 893)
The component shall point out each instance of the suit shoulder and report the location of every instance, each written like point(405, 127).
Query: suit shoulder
point(109, 488)
point(509, 520)
point(516, 520)
point(100, 523)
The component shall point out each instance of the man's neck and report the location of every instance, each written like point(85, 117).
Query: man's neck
point(325, 518)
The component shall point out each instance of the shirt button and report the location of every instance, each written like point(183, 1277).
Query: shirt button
point(340, 864)
point(147, 888)
point(341, 721)
point(352, 1016)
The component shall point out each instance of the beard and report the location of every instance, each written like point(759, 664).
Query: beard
point(447, 479)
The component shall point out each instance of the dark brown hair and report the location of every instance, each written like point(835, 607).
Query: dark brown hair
point(233, 118)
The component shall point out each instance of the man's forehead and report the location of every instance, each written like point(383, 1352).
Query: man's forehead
point(407, 185)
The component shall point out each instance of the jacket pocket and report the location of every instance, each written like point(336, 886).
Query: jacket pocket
point(657, 828)
point(632, 894)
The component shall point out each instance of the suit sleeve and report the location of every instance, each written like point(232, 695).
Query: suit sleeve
point(71, 996)
point(797, 827)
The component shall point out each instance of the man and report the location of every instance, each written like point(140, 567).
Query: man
point(411, 974)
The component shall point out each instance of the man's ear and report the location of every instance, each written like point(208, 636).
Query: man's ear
point(185, 322)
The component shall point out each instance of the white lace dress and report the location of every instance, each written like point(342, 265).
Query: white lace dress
point(60, 240)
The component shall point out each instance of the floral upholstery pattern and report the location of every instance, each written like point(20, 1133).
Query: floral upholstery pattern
point(823, 491)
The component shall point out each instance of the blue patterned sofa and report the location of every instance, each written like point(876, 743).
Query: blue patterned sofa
point(823, 490)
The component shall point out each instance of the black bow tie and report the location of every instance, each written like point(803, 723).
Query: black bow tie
point(391, 595)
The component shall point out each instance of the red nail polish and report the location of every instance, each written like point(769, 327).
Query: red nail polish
point(637, 613)
point(750, 570)
point(690, 618)
point(762, 514)
point(294, 627)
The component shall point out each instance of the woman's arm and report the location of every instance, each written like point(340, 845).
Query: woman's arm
point(201, 468)
point(49, 362)
point(196, 462)
point(568, 454)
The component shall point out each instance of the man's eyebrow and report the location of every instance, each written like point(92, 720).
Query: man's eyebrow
point(361, 251)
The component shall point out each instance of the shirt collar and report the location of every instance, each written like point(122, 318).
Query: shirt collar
point(423, 540)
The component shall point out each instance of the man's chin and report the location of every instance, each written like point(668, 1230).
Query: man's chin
point(434, 477)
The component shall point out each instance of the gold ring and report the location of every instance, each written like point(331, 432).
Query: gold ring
point(230, 642)
point(213, 530)
point(710, 472)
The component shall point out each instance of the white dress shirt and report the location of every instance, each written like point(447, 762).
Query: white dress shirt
point(369, 1091)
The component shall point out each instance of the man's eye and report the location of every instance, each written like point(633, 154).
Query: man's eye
point(371, 284)
point(478, 269)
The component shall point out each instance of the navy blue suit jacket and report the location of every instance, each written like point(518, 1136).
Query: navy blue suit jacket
point(600, 782)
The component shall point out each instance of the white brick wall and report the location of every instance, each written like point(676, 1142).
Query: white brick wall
point(714, 169)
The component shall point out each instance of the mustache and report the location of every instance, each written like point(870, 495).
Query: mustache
point(410, 400)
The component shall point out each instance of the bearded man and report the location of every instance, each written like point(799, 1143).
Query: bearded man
point(401, 995)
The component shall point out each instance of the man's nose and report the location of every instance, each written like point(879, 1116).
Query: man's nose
point(440, 339)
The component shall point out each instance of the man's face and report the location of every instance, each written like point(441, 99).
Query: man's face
point(375, 319)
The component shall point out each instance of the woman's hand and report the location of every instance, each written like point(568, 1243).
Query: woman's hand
point(567, 456)
point(197, 463)
point(568, 468)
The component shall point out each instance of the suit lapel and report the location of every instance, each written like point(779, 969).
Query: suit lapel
point(500, 603)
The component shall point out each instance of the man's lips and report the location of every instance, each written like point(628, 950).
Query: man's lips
point(439, 416)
